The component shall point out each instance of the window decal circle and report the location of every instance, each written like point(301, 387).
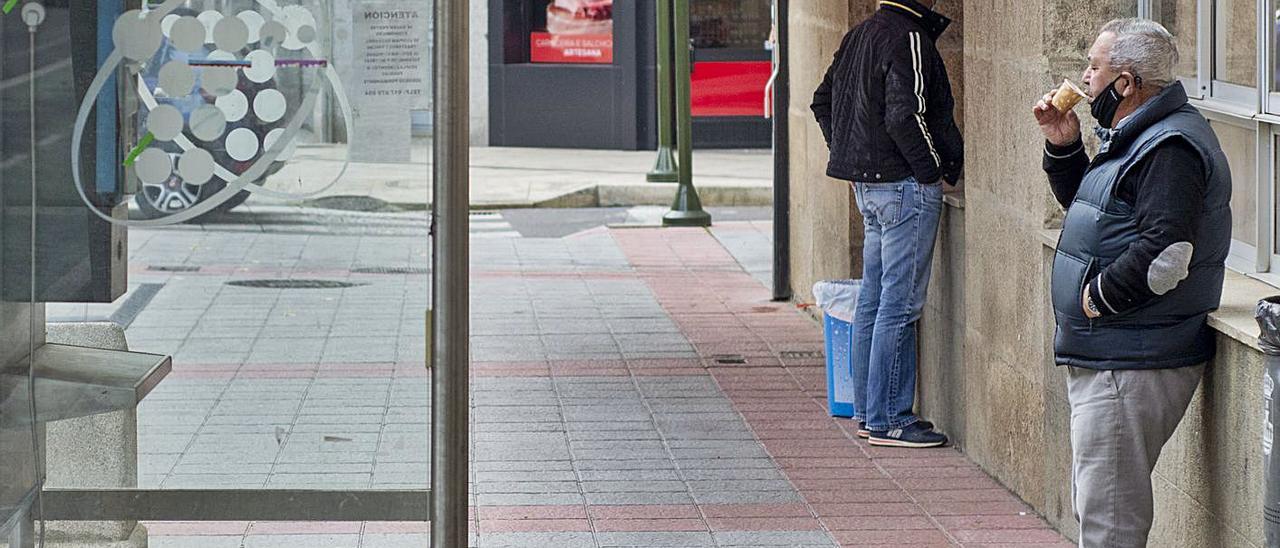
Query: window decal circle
point(146, 40)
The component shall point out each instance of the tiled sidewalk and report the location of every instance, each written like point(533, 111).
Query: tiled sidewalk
point(632, 387)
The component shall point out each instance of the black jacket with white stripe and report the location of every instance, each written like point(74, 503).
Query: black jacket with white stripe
point(885, 106)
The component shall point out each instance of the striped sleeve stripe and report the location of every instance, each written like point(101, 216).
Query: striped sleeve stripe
point(921, 107)
point(1104, 297)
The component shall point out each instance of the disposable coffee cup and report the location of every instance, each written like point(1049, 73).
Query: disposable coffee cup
point(1068, 96)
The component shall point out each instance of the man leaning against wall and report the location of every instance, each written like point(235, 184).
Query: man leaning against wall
point(886, 110)
point(1138, 268)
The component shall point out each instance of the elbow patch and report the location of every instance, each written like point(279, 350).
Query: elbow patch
point(1170, 268)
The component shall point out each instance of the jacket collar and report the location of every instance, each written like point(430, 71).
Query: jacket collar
point(931, 21)
point(1171, 98)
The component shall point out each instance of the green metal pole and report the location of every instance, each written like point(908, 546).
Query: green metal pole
point(686, 210)
point(664, 168)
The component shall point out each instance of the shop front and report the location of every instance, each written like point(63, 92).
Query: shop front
point(580, 73)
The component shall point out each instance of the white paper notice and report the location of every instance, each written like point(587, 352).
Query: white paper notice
point(390, 76)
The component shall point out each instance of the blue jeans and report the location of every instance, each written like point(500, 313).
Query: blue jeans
point(901, 220)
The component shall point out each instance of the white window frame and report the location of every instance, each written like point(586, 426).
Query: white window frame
point(1198, 86)
point(1267, 56)
point(1236, 94)
point(1244, 257)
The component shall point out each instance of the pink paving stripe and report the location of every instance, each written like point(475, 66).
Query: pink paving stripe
point(534, 525)
point(531, 512)
point(397, 527)
point(649, 525)
point(793, 510)
point(764, 524)
point(855, 490)
point(643, 512)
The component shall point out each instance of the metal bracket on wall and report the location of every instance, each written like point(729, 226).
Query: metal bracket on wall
point(235, 505)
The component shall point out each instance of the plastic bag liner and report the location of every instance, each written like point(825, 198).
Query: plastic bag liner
point(1268, 316)
point(838, 298)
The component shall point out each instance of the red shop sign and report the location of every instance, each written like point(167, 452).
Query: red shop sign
point(545, 47)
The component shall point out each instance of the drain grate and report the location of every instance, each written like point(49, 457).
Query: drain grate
point(799, 354)
point(172, 268)
point(390, 270)
point(729, 359)
point(293, 284)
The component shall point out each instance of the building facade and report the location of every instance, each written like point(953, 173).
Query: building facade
point(580, 74)
point(987, 376)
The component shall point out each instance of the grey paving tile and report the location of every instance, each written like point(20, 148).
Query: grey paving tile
point(513, 466)
point(626, 464)
point(295, 541)
point(633, 498)
point(397, 540)
point(190, 541)
point(528, 499)
point(194, 481)
point(631, 486)
point(654, 540)
point(527, 487)
point(536, 540)
point(726, 464)
point(772, 538)
point(226, 467)
point(745, 497)
point(538, 476)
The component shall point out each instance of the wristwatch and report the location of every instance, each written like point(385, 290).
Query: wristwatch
point(1091, 306)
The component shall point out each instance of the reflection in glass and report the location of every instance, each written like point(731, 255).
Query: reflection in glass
point(1179, 16)
point(1235, 42)
point(19, 478)
point(1238, 143)
point(734, 24)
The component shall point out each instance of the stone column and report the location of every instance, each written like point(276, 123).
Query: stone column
point(95, 451)
point(820, 206)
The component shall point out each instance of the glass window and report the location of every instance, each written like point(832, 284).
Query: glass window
point(1275, 48)
point(1179, 16)
point(1238, 143)
point(1235, 58)
point(730, 24)
point(571, 31)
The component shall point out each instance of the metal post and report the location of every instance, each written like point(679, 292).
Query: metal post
point(781, 159)
point(450, 277)
point(686, 210)
point(664, 168)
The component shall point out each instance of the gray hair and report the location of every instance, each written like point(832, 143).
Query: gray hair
point(1143, 47)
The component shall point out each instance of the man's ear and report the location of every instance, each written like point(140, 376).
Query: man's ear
point(1127, 85)
point(1131, 84)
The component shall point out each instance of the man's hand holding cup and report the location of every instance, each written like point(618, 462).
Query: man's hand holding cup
point(1058, 122)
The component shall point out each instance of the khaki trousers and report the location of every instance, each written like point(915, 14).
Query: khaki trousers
point(1120, 420)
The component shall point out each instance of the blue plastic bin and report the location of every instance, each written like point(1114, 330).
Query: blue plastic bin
point(839, 338)
point(838, 300)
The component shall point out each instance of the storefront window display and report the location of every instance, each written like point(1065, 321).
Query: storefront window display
point(572, 31)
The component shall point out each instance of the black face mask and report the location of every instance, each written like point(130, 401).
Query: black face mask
point(1106, 104)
